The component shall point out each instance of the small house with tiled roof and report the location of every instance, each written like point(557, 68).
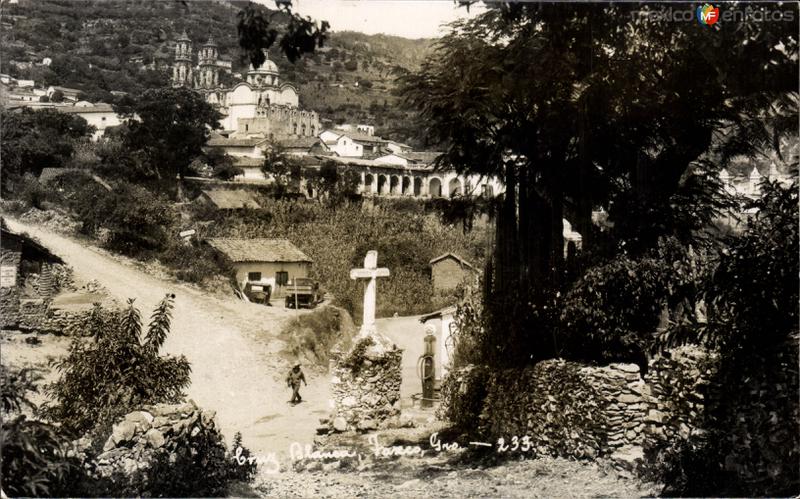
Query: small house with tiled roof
point(450, 270)
point(260, 259)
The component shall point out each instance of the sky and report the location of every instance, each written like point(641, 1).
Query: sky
point(407, 18)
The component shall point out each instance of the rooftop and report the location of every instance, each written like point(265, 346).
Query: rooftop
point(259, 250)
point(231, 199)
point(453, 256)
point(220, 141)
point(100, 107)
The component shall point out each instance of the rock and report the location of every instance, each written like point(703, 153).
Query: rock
point(207, 417)
point(407, 421)
point(626, 368)
point(349, 401)
point(333, 465)
point(655, 416)
point(626, 398)
point(367, 424)
point(154, 438)
point(339, 424)
point(123, 432)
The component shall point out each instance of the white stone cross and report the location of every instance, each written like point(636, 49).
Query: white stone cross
point(371, 272)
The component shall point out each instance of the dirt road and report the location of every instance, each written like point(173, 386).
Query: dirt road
point(232, 347)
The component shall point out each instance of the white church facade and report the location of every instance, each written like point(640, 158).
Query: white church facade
point(261, 106)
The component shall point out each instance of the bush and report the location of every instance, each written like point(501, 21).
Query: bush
point(753, 442)
point(613, 311)
point(194, 262)
point(35, 462)
point(463, 393)
point(116, 372)
point(313, 335)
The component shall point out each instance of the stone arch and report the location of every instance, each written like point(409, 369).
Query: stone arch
point(454, 187)
point(394, 184)
point(417, 186)
point(383, 185)
point(369, 183)
point(406, 189)
point(435, 187)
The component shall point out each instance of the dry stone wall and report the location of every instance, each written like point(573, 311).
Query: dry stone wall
point(569, 409)
point(365, 386)
point(158, 432)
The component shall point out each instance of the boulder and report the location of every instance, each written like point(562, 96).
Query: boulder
point(339, 424)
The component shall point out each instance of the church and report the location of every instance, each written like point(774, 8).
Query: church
point(261, 106)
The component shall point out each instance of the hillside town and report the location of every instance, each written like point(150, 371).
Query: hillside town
point(527, 272)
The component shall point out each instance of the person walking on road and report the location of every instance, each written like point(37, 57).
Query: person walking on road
point(293, 381)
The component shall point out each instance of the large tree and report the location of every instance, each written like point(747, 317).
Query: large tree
point(33, 140)
point(167, 130)
point(576, 106)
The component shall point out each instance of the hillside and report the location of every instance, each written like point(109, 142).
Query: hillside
point(100, 46)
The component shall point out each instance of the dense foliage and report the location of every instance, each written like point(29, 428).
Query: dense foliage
point(171, 127)
point(35, 462)
point(33, 140)
point(119, 370)
point(642, 143)
point(752, 444)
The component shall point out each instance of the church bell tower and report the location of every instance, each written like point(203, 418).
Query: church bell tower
point(182, 70)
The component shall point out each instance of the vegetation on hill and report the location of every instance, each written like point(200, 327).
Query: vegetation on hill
point(128, 46)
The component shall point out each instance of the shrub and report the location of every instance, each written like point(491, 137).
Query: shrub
point(612, 313)
point(35, 462)
point(116, 372)
point(752, 296)
point(194, 262)
point(463, 393)
point(313, 335)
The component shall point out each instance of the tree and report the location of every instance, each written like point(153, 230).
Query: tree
point(172, 128)
point(118, 371)
point(333, 183)
point(58, 96)
point(33, 140)
point(577, 106)
point(257, 32)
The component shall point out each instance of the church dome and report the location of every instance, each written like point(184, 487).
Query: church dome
point(268, 67)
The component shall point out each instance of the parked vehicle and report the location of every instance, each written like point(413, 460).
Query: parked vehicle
point(258, 291)
point(303, 292)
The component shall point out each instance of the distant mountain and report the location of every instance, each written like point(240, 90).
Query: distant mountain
point(99, 46)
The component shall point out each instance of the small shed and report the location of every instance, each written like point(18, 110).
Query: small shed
point(450, 270)
point(230, 199)
point(257, 259)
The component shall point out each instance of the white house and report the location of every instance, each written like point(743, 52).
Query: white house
point(99, 115)
point(341, 144)
point(397, 147)
point(392, 159)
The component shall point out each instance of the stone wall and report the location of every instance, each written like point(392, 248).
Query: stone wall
point(365, 386)
point(569, 409)
point(142, 437)
point(9, 295)
point(680, 384)
point(37, 315)
point(566, 408)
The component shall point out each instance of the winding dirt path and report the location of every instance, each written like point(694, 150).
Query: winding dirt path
point(232, 346)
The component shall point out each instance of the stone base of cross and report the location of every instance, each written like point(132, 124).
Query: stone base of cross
point(371, 272)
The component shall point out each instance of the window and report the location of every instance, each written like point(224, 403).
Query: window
point(281, 278)
point(254, 276)
point(246, 128)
